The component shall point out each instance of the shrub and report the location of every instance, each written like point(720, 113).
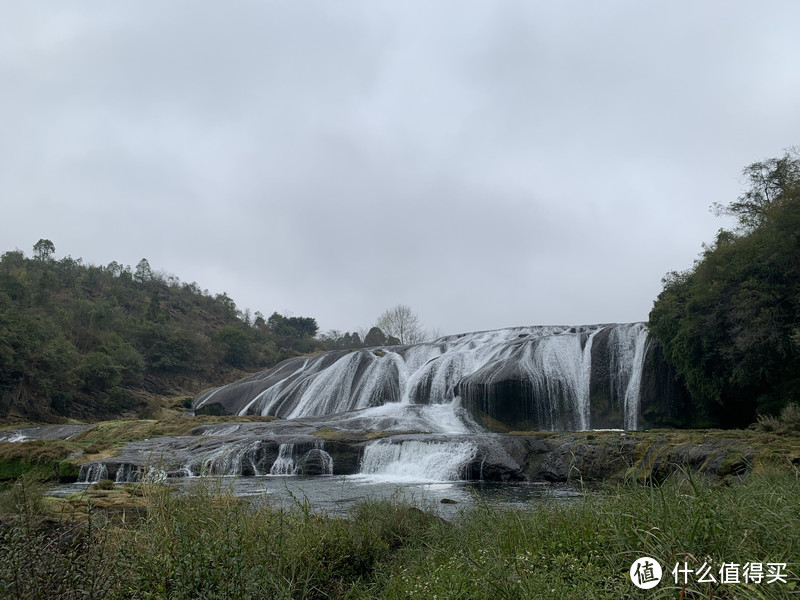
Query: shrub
point(788, 422)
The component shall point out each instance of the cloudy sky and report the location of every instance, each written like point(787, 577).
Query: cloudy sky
point(489, 164)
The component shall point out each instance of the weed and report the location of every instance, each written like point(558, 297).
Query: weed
point(205, 543)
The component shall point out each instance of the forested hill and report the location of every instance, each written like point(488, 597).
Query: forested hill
point(90, 342)
point(730, 326)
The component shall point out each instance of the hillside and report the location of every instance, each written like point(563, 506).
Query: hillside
point(90, 342)
point(730, 325)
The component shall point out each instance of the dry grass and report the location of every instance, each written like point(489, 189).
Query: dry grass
point(142, 429)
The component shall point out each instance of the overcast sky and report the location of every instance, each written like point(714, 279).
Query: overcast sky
point(490, 164)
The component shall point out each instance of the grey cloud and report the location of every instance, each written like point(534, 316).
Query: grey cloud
point(489, 164)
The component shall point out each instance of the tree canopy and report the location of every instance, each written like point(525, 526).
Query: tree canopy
point(730, 325)
point(89, 342)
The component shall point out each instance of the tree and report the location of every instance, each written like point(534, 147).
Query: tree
point(143, 272)
point(730, 326)
point(769, 181)
point(402, 323)
point(237, 345)
point(44, 250)
point(375, 337)
point(294, 327)
point(114, 268)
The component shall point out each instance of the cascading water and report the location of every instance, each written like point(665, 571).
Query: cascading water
point(550, 372)
point(418, 460)
point(228, 460)
point(631, 345)
point(128, 473)
point(284, 464)
point(93, 472)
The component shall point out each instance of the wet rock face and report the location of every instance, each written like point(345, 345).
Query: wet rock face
point(505, 397)
point(315, 462)
point(664, 401)
point(43, 432)
point(524, 378)
point(562, 457)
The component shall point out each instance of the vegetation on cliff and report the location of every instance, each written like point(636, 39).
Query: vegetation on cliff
point(88, 342)
point(730, 325)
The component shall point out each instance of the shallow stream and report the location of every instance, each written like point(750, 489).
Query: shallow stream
point(336, 495)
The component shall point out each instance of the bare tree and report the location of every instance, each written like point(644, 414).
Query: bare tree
point(402, 323)
point(434, 333)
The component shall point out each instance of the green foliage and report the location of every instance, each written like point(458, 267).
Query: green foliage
point(103, 484)
point(167, 349)
point(293, 326)
point(769, 182)
point(68, 471)
point(42, 459)
point(43, 559)
point(237, 345)
point(294, 334)
point(375, 337)
point(336, 340)
point(85, 341)
point(143, 272)
point(44, 249)
point(208, 544)
point(788, 422)
point(731, 325)
point(98, 371)
point(25, 496)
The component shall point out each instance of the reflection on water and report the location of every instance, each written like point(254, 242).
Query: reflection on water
point(336, 495)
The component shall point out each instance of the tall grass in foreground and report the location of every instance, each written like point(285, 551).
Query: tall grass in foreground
point(207, 544)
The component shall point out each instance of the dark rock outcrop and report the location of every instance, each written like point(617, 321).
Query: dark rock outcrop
point(664, 400)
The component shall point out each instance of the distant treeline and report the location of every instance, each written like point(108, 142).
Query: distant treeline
point(730, 325)
point(89, 341)
point(335, 340)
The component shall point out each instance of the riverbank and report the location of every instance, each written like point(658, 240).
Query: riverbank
point(208, 544)
point(182, 445)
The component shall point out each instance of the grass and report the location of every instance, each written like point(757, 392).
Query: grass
point(45, 459)
point(208, 544)
point(121, 431)
point(787, 422)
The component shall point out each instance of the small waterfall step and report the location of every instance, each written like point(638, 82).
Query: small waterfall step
point(417, 460)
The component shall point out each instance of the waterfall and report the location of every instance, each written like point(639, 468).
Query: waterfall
point(128, 473)
point(560, 368)
point(636, 352)
point(547, 370)
point(236, 458)
point(414, 460)
point(92, 472)
point(284, 464)
point(327, 462)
